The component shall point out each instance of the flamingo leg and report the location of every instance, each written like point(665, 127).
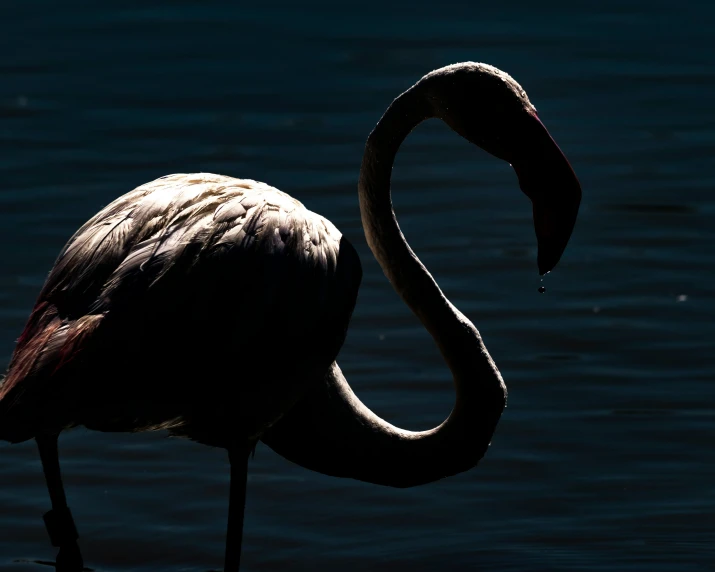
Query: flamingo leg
point(58, 521)
point(238, 457)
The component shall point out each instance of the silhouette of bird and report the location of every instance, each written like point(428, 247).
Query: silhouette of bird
point(215, 308)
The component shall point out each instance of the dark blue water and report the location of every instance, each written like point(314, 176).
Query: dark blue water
point(605, 457)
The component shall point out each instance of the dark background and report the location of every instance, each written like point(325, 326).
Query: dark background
point(604, 459)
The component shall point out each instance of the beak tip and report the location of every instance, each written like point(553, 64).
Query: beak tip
point(548, 179)
point(544, 269)
point(553, 230)
point(548, 257)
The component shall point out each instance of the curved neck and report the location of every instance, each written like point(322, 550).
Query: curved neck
point(457, 338)
point(331, 431)
point(404, 270)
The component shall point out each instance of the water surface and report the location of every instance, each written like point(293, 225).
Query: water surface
point(604, 459)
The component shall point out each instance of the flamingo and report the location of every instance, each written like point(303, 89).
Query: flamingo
point(215, 308)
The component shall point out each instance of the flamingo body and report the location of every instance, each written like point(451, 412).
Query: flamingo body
point(197, 302)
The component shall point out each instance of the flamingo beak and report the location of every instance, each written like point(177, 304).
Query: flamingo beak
point(546, 177)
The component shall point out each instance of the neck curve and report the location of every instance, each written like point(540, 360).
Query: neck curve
point(456, 337)
point(353, 441)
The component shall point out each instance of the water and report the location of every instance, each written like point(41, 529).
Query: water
point(603, 459)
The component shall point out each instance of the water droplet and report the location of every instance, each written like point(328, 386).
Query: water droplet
point(542, 289)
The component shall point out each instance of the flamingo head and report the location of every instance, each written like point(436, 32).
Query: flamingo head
point(490, 109)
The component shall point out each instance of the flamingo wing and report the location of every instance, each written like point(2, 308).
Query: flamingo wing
point(192, 291)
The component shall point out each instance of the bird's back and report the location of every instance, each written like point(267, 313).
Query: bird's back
point(198, 302)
